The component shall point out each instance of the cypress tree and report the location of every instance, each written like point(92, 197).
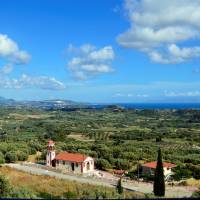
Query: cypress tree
point(159, 179)
point(119, 186)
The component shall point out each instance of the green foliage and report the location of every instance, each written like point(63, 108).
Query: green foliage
point(196, 194)
point(11, 157)
point(22, 156)
point(119, 137)
point(103, 164)
point(159, 181)
point(7, 191)
point(186, 171)
point(181, 172)
point(122, 164)
point(2, 159)
point(70, 195)
point(5, 187)
point(22, 193)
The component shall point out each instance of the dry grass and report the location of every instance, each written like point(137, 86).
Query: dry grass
point(38, 183)
point(79, 137)
point(193, 182)
point(52, 186)
point(24, 117)
point(33, 158)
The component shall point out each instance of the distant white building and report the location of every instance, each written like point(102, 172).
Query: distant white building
point(69, 162)
point(149, 168)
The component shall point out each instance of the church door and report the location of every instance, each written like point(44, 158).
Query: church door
point(72, 165)
point(88, 166)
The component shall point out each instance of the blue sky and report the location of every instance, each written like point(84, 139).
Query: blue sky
point(100, 51)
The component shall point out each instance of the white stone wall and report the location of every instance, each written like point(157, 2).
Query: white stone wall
point(167, 171)
point(91, 164)
point(147, 170)
point(49, 157)
point(66, 166)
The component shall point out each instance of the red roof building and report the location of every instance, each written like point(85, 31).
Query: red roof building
point(149, 168)
point(72, 157)
point(153, 165)
point(51, 142)
point(68, 162)
point(119, 172)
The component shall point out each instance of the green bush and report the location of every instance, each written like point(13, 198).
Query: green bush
point(103, 164)
point(22, 156)
point(70, 195)
point(2, 159)
point(5, 188)
point(122, 164)
point(181, 172)
point(11, 157)
point(23, 193)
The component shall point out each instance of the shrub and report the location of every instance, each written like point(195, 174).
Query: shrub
point(70, 195)
point(122, 164)
point(23, 193)
point(22, 156)
point(196, 194)
point(11, 157)
point(102, 164)
point(2, 159)
point(5, 187)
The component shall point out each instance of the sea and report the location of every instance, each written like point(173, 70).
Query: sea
point(152, 105)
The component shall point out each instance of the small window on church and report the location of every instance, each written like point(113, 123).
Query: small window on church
point(76, 164)
point(63, 162)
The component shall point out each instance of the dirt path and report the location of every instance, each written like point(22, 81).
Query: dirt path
point(147, 188)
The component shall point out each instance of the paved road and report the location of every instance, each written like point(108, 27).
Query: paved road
point(175, 191)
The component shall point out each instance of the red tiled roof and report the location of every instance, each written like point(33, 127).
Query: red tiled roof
point(120, 171)
point(154, 164)
point(74, 157)
point(50, 142)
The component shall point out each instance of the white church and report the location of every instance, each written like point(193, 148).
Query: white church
point(68, 162)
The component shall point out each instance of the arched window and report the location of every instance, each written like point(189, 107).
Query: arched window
point(88, 165)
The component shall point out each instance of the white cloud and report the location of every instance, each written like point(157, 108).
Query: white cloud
point(7, 69)
point(9, 50)
point(25, 81)
point(130, 95)
point(175, 54)
point(157, 25)
point(89, 61)
point(183, 94)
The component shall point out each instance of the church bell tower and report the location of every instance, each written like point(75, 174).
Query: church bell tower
point(50, 153)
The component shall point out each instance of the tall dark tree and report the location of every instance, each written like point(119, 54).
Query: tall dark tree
point(119, 186)
point(159, 179)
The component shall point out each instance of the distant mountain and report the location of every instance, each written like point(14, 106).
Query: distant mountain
point(43, 104)
point(4, 101)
